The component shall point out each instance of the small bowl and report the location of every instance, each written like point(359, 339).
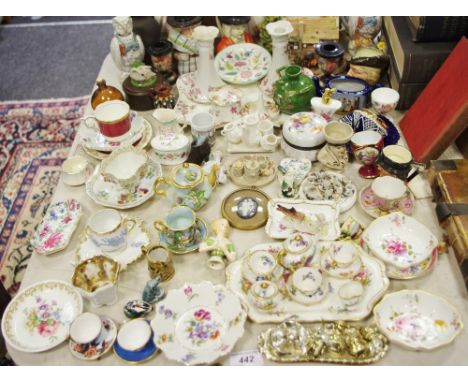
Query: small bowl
point(75, 170)
point(338, 133)
point(384, 100)
point(134, 335)
point(264, 295)
point(85, 328)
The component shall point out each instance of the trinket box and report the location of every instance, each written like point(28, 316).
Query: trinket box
point(140, 99)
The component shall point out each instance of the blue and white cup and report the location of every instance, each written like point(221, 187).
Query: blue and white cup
point(108, 230)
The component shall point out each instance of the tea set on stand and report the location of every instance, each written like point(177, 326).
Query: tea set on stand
point(312, 270)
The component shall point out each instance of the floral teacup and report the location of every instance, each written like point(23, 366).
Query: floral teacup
point(178, 227)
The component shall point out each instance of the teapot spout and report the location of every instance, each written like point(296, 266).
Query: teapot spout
point(212, 179)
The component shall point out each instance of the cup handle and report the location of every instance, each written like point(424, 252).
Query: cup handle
point(160, 226)
point(132, 222)
point(157, 183)
point(93, 126)
point(280, 256)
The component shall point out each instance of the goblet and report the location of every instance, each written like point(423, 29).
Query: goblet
point(366, 146)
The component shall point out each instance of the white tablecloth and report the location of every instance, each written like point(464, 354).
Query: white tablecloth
point(444, 280)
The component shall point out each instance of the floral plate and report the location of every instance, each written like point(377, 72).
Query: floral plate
point(198, 323)
point(201, 232)
point(418, 320)
point(320, 218)
point(399, 240)
point(99, 346)
point(57, 227)
point(39, 317)
point(136, 239)
point(141, 143)
point(327, 185)
point(368, 203)
point(332, 307)
point(93, 139)
point(111, 195)
point(243, 64)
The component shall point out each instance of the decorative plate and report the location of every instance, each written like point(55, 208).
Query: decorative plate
point(111, 195)
point(320, 218)
point(267, 175)
point(136, 239)
point(201, 232)
point(243, 64)
point(246, 208)
point(198, 323)
point(93, 139)
point(368, 203)
point(57, 226)
point(417, 319)
point(326, 185)
point(99, 346)
point(399, 240)
point(146, 135)
point(39, 317)
point(331, 308)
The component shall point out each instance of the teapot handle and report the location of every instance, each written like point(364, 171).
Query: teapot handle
point(156, 189)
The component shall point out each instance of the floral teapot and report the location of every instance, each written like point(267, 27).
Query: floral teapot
point(188, 185)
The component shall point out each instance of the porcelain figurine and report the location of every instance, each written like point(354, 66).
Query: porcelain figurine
point(279, 32)
point(206, 76)
point(141, 75)
point(152, 293)
point(137, 308)
point(325, 106)
point(215, 159)
point(219, 248)
point(126, 47)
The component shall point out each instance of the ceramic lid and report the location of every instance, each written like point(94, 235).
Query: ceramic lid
point(307, 279)
point(298, 243)
point(264, 289)
point(304, 129)
point(187, 175)
point(169, 142)
point(261, 262)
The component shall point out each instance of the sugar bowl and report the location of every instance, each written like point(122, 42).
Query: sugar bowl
point(298, 250)
point(264, 295)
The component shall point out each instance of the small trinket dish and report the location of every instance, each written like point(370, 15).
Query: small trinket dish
point(334, 157)
point(418, 320)
point(246, 208)
point(137, 308)
point(57, 227)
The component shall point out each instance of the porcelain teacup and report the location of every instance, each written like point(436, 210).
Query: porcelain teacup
point(168, 121)
point(269, 142)
point(305, 286)
point(108, 229)
point(111, 119)
point(366, 146)
point(344, 254)
point(260, 265)
point(389, 192)
point(264, 295)
point(75, 170)
point(338, 133)
point(202, 124)
point(178, 226)
point(385, 100)
point(398, 161)
point(134, 335)
point(86, 328)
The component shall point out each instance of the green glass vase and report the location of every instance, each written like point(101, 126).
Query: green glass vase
point(294, 90)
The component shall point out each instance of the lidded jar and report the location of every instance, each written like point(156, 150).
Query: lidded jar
point(105, 93)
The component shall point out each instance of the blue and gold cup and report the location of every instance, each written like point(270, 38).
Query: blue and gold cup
point(178, 227)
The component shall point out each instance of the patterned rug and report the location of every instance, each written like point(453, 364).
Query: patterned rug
point(35, 137)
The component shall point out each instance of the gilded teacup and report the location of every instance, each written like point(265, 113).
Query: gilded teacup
point(178, 226)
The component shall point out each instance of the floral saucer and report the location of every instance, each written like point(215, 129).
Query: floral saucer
point(136, 239)
point(112, 195)
point(368, 203)
point(201, 232)
point(57, 227)
point(99, 346)
point(417, 320)
point(39, 317)
point(141, 143)
point(198, 323)
point(243, 64)
point(94, 140)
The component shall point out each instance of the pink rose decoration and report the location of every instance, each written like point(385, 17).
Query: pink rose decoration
point(246, 74)
point(53, 240)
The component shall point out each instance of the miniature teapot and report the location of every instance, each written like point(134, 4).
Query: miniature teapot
point(188, 185)
point(298, 250)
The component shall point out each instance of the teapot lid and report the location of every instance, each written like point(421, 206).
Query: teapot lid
point(304, 129)
point(187, 175)
point(298, 243)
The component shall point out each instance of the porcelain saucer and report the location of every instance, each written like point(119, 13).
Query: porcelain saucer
point(138, 356)
point(368, 203)
point(93, 139)
point(201, 231)
point(98, 347)
point(136, 239)
point(112, 195)
point(146, 135)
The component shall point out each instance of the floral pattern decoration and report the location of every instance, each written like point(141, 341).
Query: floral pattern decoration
point(201, 328)
point(45, 318)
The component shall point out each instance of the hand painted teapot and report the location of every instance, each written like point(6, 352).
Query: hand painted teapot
point(188, 185)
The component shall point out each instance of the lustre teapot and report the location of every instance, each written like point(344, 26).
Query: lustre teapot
point(188, 185)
